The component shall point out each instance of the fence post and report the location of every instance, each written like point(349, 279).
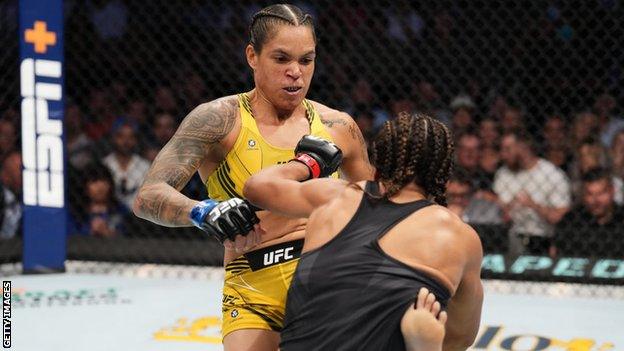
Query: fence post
point(41, 89)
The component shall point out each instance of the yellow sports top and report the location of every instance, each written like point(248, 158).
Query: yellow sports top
point(252, 153)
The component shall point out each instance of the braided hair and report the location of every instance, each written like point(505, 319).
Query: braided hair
point(264, 22)
point(414, 148)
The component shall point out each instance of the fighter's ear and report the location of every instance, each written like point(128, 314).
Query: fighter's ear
point(252, 56)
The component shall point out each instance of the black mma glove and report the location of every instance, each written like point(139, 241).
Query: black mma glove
point(224, 220)
point(320, 156)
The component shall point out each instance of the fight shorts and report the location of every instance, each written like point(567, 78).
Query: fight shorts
point(256, 285)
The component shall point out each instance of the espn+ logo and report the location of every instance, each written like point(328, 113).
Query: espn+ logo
point(42, 144)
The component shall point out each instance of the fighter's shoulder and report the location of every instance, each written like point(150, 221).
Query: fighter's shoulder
point(224, 107)
point(445, 220)
point(214, 119)
point(333, 118)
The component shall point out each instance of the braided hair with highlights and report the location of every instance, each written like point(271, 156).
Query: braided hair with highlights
point(414, 148)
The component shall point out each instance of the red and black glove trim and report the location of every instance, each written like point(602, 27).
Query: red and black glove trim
point(311, 163)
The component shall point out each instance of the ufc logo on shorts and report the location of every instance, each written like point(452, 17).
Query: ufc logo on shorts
point(275, 256)
point(223, 207)
point(42, 143)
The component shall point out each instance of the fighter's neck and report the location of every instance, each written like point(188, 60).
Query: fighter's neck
point(264, 111)
point(410, 192)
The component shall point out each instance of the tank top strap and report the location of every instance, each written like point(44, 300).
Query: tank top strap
point(247, 120)
point(372, 188)
point(311, 113)
point(383, 214)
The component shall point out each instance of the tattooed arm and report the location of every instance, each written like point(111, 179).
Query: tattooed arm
point(197, 142)
point(347, 135)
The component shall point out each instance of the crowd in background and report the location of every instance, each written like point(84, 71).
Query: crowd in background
point(531, 95)
point(538, 183)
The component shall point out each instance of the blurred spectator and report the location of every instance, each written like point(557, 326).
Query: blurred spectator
point(402, 105)
point(535, 193)
point(119, 94)
point(362, 98)
point(604, 107)
point(617, 154)
point(79, 147)
point(101, 214)
point(594, 228)
point(10, 213)
point(585, 125)
point(10, 195)
point(365, 120)
point(489, 163)
point(11, 115)
point(136, 113)
point(164, 128)
point(554, 133)
point(8, 138)
point(463, 114)
point(489, 136)
point(165, 100)
point(11, 173)
point(193, 90)
point(468, 161)
point(512, 119)
point(590, 155)
point(127, 167)
point(468, 205)
point(498, 107)
point(489, 133)
point(555, 142)
point(558, 156)
point(428, 100)
point(100, 114)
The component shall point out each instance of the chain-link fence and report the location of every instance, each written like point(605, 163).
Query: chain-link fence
point(530, 90)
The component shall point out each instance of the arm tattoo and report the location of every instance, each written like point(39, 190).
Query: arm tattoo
point(330, 122)
point(196, 138)
point(356, 134)
point(346, 123)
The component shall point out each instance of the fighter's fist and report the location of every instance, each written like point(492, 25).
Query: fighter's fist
point(322, 157)
point(224, 220)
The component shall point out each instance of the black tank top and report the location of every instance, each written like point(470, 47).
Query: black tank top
point(348, 294)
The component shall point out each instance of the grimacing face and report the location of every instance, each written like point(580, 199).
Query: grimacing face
point(284, 68)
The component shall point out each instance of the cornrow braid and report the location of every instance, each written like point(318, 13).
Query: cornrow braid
point(265, 21)
point(414, 148)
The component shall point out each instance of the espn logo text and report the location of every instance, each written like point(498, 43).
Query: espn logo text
point(42, 144)
point(277, 255)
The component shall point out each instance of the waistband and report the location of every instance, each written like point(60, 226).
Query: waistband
point(274, 254)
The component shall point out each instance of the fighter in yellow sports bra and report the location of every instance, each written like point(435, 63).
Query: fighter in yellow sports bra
point(256, 283)
point(225, 143)
point(251, 153)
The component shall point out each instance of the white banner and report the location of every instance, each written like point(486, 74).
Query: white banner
point(68, 312)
